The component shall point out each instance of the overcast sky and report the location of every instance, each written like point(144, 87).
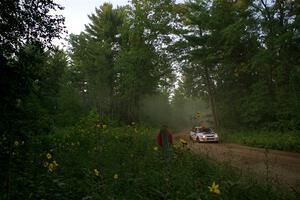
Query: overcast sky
point(76, 11)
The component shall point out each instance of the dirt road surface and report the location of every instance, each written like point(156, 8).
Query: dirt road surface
point(282, 167)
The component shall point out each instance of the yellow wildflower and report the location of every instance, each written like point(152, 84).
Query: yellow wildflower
point(104, 126)
point(116, 176)
point(214, 188)
point(155, 148)
point(97, 172)
point(49, 156)
point(98, 126)
point(51, 167)
point(46, 164)
point(55, 163)
point(16, 143)
point(182, 141)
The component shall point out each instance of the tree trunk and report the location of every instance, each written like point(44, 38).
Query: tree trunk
point(211, 97)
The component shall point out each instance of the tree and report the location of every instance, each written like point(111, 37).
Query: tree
point(26, 28)
point(119, 60)
point(24, 22)
point(242, 55)
point(94, 53)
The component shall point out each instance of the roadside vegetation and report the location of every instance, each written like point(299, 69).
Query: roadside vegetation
point(66, 115)
point(287, 141)
point(93, 160)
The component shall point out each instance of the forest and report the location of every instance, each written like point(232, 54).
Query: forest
point(133, 69)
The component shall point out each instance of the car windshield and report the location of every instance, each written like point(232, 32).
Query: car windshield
point(202, 130)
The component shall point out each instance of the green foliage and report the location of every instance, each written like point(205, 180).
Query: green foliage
point(129, 153)
point(243, 56)
point(119, 60)
point(26, 71)
point(27, 22)
point(288, 141)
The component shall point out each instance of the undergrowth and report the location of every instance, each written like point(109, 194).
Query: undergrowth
point(96, 161)
point(288, 141)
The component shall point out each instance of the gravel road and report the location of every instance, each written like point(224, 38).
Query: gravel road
point(280, 166)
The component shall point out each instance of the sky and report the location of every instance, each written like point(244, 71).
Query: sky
point(76, 12)
point(76, 15)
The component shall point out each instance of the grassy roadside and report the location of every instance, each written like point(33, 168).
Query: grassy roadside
point(93, 161)
point(288, 141)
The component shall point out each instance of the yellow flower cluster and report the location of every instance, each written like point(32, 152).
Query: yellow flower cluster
point(50, 163)
point(116, 176)
point(197, 115)
point(214, 188)
point(104, 126)
point(97, 172)
point(176, 146)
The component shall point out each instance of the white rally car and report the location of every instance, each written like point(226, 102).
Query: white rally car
point(201, 134)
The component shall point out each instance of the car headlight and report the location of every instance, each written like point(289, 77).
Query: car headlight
point(216, 135)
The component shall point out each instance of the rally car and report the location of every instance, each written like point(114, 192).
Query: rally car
point(202, 134)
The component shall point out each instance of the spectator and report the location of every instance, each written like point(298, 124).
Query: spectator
point(164, 139)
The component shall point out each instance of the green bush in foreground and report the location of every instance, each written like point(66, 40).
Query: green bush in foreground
point(96, 161)
point(288, 141)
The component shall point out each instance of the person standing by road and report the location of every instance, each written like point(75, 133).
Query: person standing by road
point(165, 139)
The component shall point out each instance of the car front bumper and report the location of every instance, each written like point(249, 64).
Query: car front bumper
point(209, 139)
